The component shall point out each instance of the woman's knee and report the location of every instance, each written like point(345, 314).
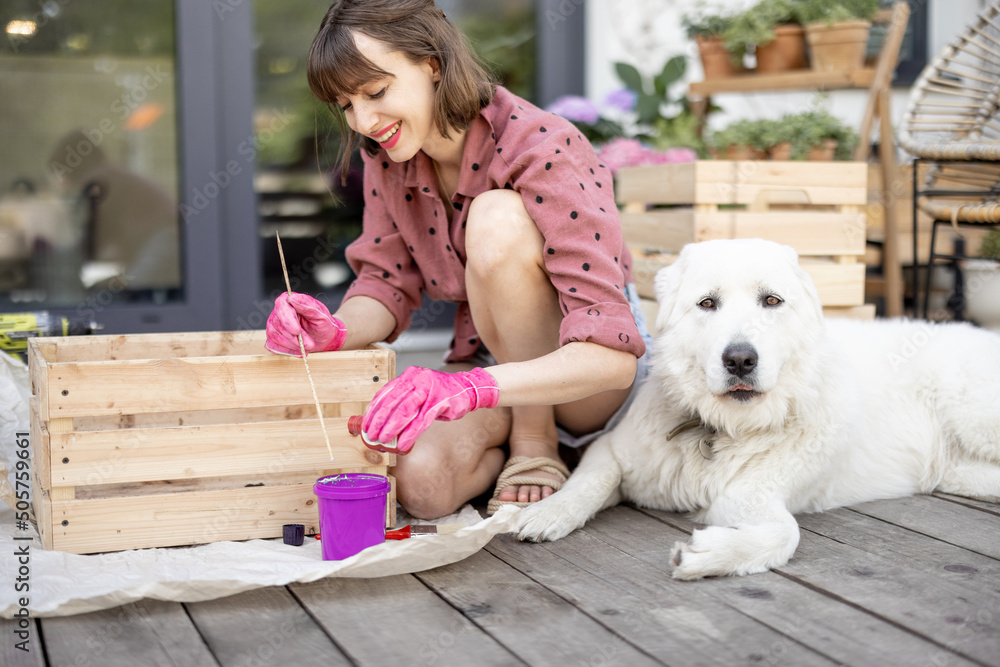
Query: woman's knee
point(424, 493)
point(499, 231)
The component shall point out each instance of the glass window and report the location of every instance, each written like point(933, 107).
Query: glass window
point(299, 195)
point(89, 136)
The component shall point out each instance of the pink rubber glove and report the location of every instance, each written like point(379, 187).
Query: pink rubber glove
point(405, 407)
point(295, 313)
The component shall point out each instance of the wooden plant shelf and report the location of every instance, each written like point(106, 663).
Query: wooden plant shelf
point(803, 79)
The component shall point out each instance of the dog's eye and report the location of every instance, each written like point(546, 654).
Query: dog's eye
point(707, 304)
point(772, 300)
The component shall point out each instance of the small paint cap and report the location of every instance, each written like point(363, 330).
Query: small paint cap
point(354, 424)
point(293, 534)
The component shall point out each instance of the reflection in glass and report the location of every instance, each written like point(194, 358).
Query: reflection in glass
point(89, 179)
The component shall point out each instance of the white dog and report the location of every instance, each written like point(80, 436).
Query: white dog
point(757, 409)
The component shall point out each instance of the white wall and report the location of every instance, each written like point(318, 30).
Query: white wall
point(648, 32)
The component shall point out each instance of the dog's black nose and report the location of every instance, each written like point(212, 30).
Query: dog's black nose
point(740, 359)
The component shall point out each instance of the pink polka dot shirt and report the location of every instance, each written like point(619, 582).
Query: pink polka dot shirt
point(413, 242)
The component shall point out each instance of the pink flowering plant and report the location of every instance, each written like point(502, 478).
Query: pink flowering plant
point(640, 123)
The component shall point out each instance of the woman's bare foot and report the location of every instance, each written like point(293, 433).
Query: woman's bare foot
point(531, 493)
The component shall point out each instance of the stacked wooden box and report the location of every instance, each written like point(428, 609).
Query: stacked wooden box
point(157, 440)
point(815, 207)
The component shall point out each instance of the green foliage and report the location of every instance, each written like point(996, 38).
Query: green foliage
point(804, 131)
point(755, 26)
point(990, 246)
point(705, 23)
point(829, 11)
point(653, 95)
point(753, 133)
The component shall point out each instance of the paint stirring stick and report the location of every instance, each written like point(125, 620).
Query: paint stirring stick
point(302, 348)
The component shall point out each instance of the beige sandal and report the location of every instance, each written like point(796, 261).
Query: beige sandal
point(513, 475)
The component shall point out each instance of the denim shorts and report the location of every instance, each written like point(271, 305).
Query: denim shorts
point(484, 358)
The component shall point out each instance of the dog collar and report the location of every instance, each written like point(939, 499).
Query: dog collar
point(706, 441)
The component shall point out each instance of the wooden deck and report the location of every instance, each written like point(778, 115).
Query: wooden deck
point(914, 581)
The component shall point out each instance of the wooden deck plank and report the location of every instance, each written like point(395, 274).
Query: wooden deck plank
point(10, 655)
point(397, 620)
point(800, 614)
point(148, 632)
point(671, 620)
point(918, 550)
point(956, 617)
point(992, 508)
point(262, 626)
point(534, 623)
point(943, 520)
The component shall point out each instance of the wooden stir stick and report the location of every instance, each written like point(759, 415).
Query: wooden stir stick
point(302, 348)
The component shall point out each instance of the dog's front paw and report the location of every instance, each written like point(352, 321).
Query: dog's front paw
point(712, 552)
point(547, 520)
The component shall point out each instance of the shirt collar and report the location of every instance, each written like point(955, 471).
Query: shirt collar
point(476, 157)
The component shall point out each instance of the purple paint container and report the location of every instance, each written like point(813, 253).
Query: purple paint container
point(351, 512)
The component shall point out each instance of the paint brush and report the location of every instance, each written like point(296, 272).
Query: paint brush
point(428, 529)
point(407, 532)
point(302, 348)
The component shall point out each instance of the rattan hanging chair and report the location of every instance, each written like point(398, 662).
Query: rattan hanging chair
point(952, 121)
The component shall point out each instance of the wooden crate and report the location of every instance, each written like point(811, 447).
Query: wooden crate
point(157, 440)
point(815, 207)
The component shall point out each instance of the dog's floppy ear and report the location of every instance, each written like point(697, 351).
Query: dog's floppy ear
point(667, 281)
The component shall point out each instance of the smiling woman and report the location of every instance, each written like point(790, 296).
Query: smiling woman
point(472, 195)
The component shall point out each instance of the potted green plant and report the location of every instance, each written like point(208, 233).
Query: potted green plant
point(837, 32)
point(773, 30)
point(706, 29)
point(982, 283)
point(743, 140)
point(817, 135)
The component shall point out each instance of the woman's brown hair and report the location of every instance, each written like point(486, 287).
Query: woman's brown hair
point(417, 29)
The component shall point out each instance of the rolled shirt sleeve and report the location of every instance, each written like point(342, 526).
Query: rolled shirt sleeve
point(380, 257)
point(570, 196)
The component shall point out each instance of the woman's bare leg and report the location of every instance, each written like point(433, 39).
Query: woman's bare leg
point(517, 314)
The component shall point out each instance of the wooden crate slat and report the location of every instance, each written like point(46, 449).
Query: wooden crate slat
point(158, 346)
point(41, 505)
point(810, 233)
point(40, 446)
point(837, 284)
point(188, 452)
point(209, 383)
point(174, 519)
point(744, 182)
point(664, 230)
point(863, 312)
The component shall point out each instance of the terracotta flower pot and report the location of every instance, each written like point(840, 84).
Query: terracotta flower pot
point(742, 152)
point(823, 153)
point(782, 151)
point(838, 46)
point(786, 52)
point(715, 59)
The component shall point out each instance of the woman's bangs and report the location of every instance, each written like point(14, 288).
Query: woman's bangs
point(336, 68)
